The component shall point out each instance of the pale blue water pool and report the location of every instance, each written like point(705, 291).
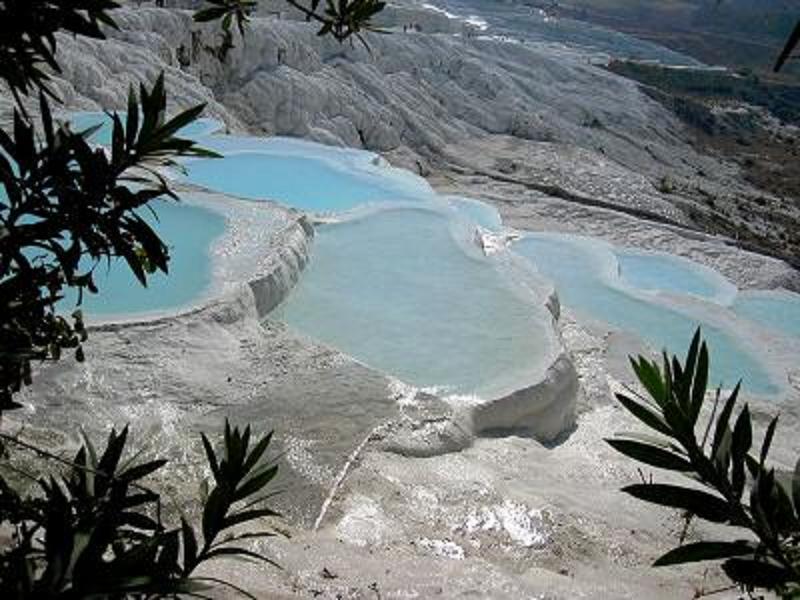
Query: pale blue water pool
point(660, 272)
point(404, 289)
point(777, 310)
point(398, 291)
point(81, 121)
point(580, 272)
point(308, 183)
point(189, 232)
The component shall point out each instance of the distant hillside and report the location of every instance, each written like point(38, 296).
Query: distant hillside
point(736, 33)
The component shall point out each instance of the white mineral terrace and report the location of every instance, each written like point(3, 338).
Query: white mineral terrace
point(438, 353)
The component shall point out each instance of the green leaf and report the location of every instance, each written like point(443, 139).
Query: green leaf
point(113, 452)
point(257, 452)
point(143, 470)
point(645, 415)
point(138, 520)
point(691, 355)
point(702, 504)
point(650, 455)
point(47, 119)
point(791, 44)
point(255, 483)
point(701, 551)
point(796, 486)
point(741, 442)
point(181, 120)
point(760, 504)
point(189, 546)
point(765, 446)
point(786, 521)
point(700, 382)
point(214, 511)
point(723, 420)
point(132, 124)
point(742, 433)
point(756, 573)
point(211, 456)
point(650, 377)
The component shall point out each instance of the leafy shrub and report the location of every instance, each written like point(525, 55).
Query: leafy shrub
point(97, 532)
point(730, 484)
point(69, 206)
point(341, 19)
point(665, 185)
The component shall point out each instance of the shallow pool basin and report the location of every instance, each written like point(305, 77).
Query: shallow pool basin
point(665, 273)
point(81, 121)
point(403, 291)
point(779, 310)
point(189, 232)
point(587, 281)
point(305, 175)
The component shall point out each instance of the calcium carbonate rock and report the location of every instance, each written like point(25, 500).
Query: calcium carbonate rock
point(544, 410)
point(409, 90)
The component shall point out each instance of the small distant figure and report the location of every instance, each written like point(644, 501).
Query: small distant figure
point(160, 3)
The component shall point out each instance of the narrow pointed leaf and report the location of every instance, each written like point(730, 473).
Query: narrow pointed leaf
point(700, 382)
point(791, 44)
point(701, 551)
point(645, 415)
point(650, 455)
point(702, 504)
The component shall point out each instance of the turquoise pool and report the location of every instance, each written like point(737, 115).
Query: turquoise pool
point(778, 310)
point(189, 232)
point(81, 121)
point(311, 184)
point(658, 272)
point(397, 280)
point(400, 290)
point(580, 270)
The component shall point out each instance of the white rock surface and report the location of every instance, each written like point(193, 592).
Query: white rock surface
point(413, 90)
point(425, 510)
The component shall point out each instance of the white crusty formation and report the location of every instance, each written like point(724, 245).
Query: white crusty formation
point(412, 92)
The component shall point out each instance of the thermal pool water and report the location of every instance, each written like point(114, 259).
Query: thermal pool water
point(405, 291)
point(632, 291)
point(189, 231)
point(399, 278)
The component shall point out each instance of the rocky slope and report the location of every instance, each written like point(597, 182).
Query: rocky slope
point(411, 91)
point(416, 97)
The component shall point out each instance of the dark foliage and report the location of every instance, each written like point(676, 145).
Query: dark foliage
point(64, 205)
point(97, 532)
point(67, 207)
point(339, 18)
point(791, 44)
point(730, 480)
point(27, 36)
